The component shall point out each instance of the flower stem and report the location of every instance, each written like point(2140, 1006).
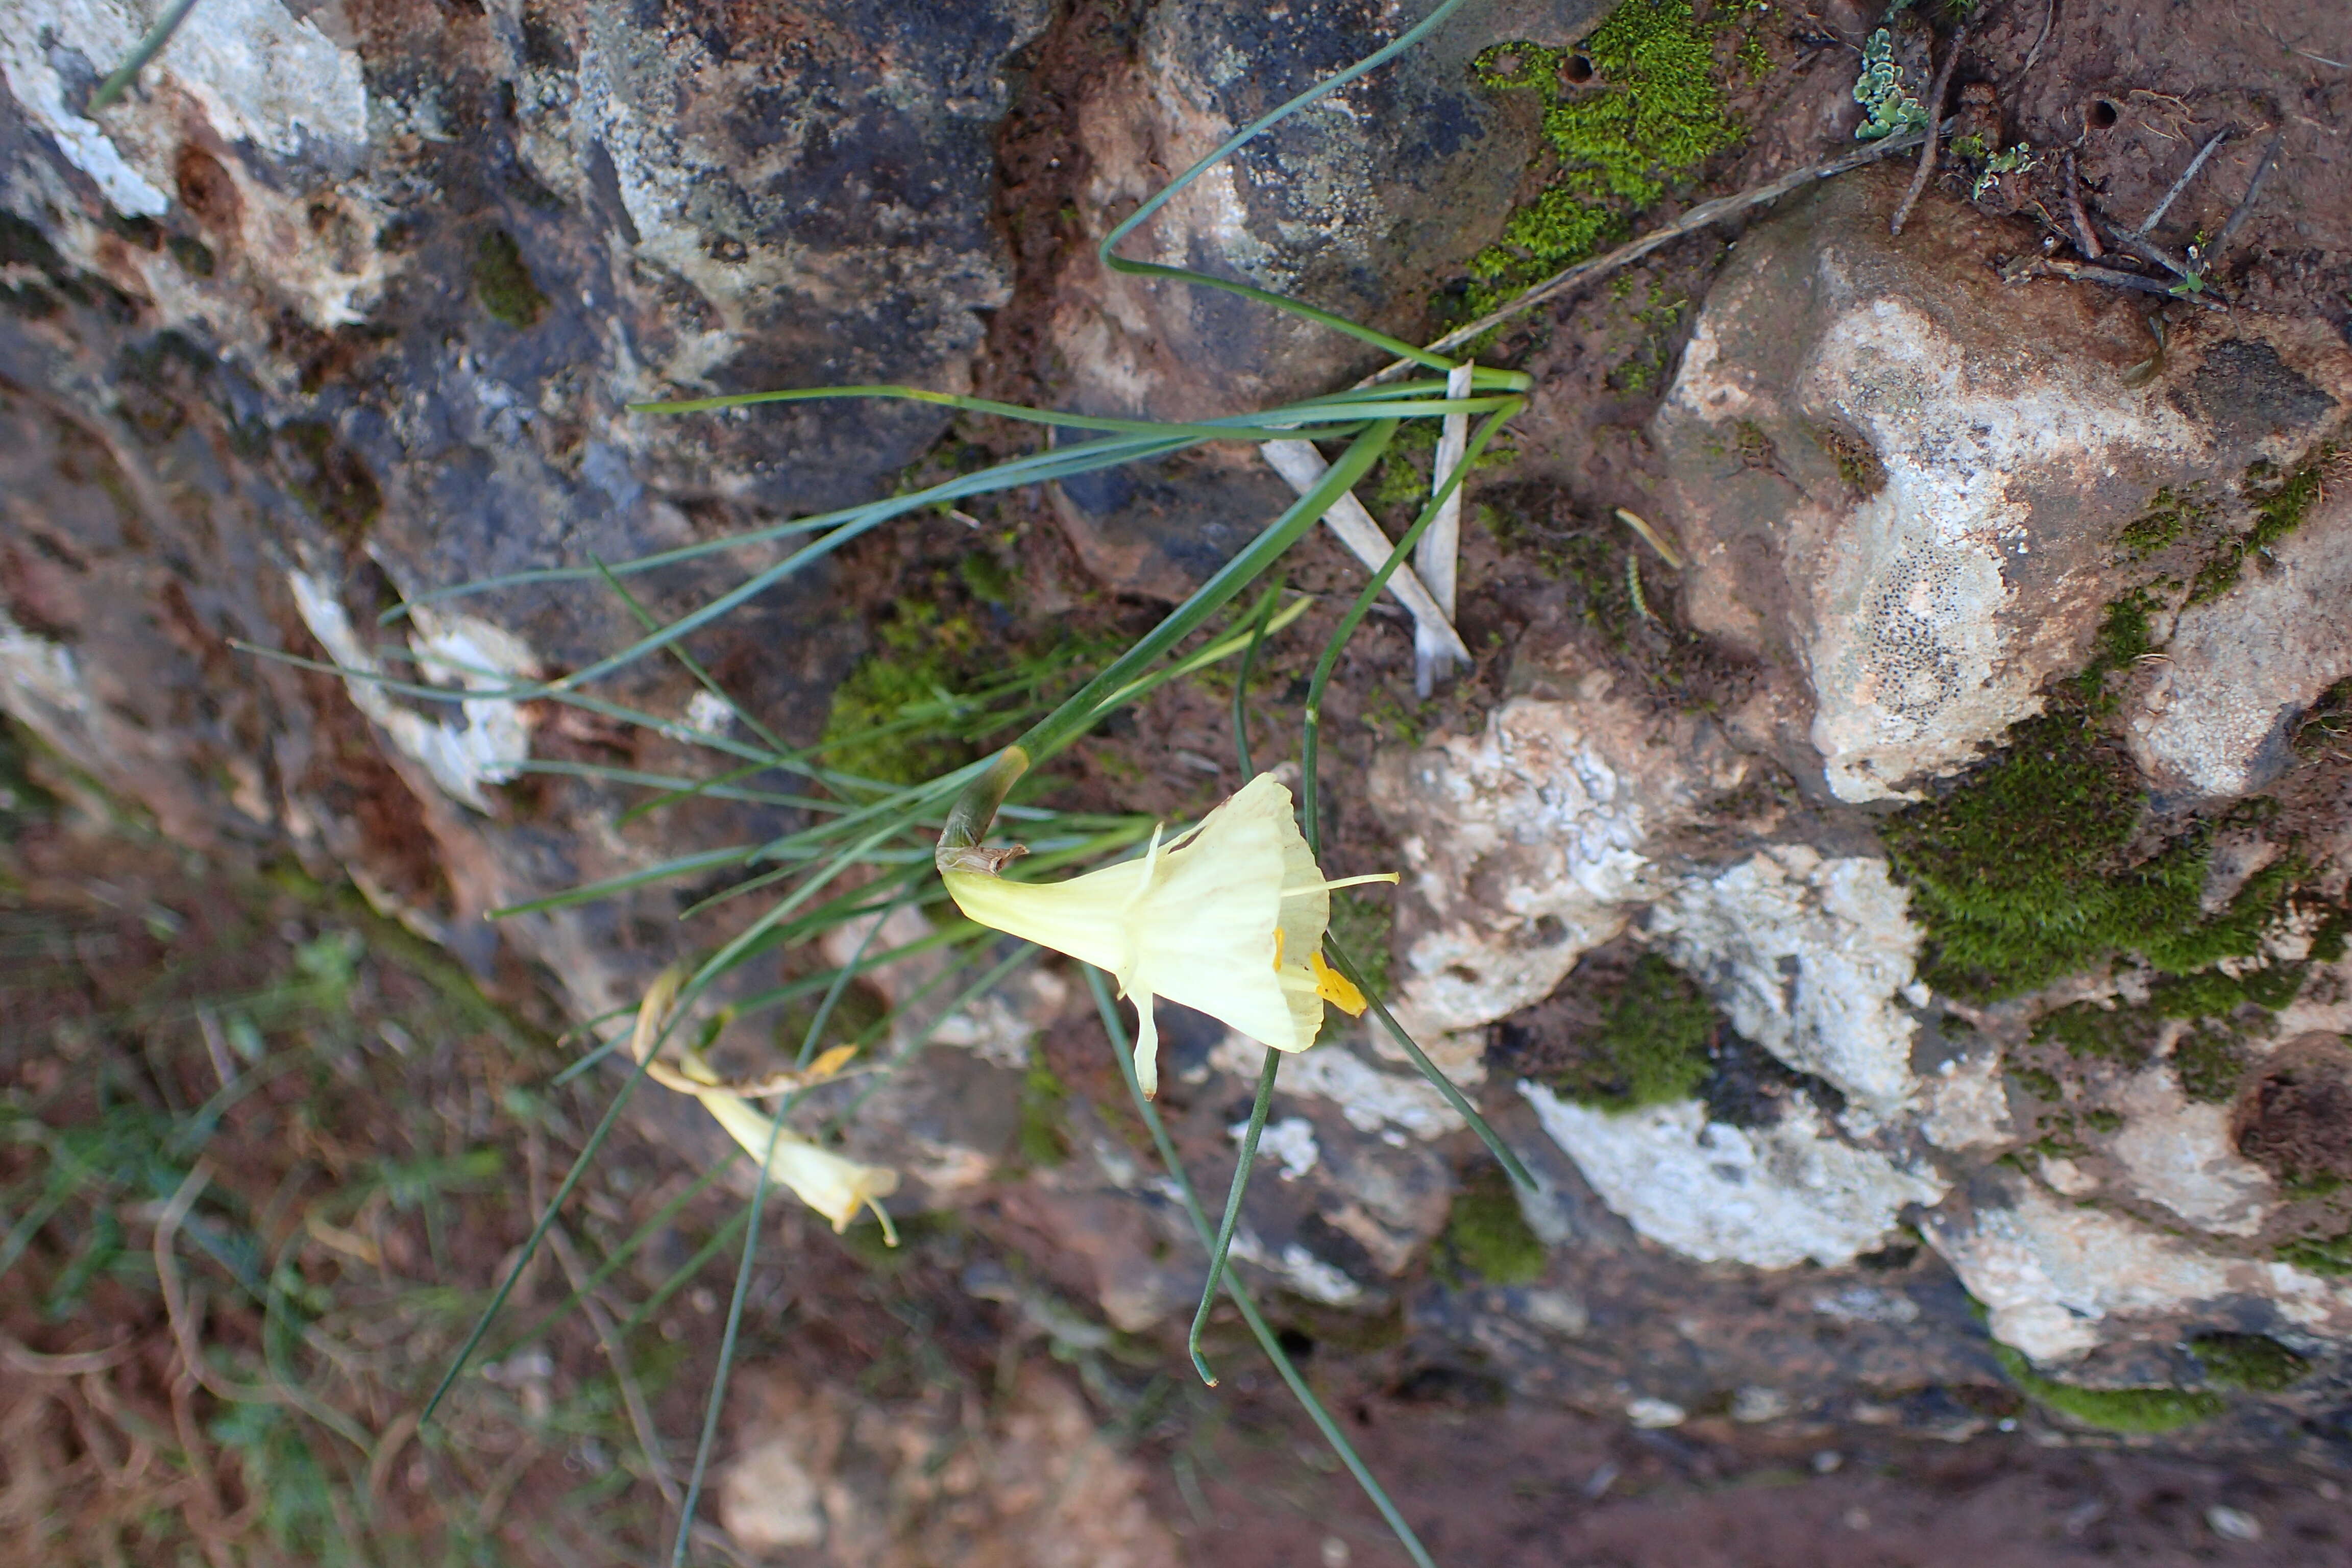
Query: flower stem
point(1347, 966)
point(1258, 1326)
point(1224, 1242)
point(975, 809)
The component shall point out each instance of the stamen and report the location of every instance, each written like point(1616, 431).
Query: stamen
point(1342, 882)
point(1278, 949)
point(1336, 988)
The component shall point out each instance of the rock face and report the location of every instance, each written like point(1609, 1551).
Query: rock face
point(1921, 499)
point(1361, 205)
point(2218, 716)
point(339, 309)
point(1903, 479)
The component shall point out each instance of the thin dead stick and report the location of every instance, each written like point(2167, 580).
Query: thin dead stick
point(1302, 468)
point(175, 1297)
point(2180, 184)
point(1935, 131)
point(2086, 238)
point(2239, 214)
point(2136, 281)
point(617, 1353)
point(2139, 245)
point(1439, 554)
point(1625, 255)
point(387, 1448)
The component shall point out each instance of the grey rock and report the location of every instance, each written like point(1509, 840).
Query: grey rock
point(1903, 481)
point(2216, 719)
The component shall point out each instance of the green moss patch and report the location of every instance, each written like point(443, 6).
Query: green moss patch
point(1646, 109)
point(1040, 1140)
point(2021, 874)
point(2170, 514)
point(503, 282)
point(2325, 1255)
point(1652, 1046)
point(2124, 1035)
point(1486, 1236)
point(2209, 1064)
point(2280, 505)
point(2111, 1409)
point(2255, 1363)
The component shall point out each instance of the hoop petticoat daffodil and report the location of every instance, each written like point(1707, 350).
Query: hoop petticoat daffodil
point(835, 1188)
point(1227, 919)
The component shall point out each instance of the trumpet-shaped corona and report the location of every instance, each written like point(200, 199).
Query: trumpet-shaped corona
point(1227, 919)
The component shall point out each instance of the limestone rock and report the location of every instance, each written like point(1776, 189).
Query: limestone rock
point(1361, 205)
point(1524, 848)
point(2217, 716)
point(1903, 481)
point(1771, 1198)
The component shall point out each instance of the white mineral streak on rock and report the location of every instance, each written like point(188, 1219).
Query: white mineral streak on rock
point(1966, 1104)
point(1525, 845)
point(260, 75)
point(1371, 1101)
point(2216, 717)
point(1771, 1196)
point(35, 667)
point(1289, 1142)
point(1809, 957)
point(494, 740)
point(1909, 643)
point(2180, 1154)
point(2050, 1272)
point(1307, 1274)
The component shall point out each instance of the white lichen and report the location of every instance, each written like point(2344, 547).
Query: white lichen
point(492, 743)
point(1771, 1198)
point(1809, 958)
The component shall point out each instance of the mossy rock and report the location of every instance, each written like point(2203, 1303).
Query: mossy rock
point(2255, 1363)
point(503, 283)
point(1488, 1236)
point(1652, 1046)
point(2021, 874)
point(1637, 105)
point(2128, 1410)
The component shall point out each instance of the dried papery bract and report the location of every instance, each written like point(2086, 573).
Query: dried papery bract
point(1227, 919)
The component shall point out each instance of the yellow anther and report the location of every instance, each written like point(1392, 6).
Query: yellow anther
point(1336, 988)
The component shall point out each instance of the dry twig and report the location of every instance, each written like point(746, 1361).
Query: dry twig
point(616, 1355)
point(1934, 130)
point(1698, 218)
point(2239, 214)
point(2085, 238)
point(2077, 273)
point(2180, 184)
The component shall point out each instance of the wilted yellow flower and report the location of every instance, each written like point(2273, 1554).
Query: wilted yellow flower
point(1227, 919)
point(834, 1186)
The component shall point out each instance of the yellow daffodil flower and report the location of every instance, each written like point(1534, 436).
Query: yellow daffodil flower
point(1227, 919)
point(835, 1188)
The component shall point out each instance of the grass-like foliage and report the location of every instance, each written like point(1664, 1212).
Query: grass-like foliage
point(872, 804)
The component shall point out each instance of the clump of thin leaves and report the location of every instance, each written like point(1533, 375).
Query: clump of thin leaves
point(866, 848)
